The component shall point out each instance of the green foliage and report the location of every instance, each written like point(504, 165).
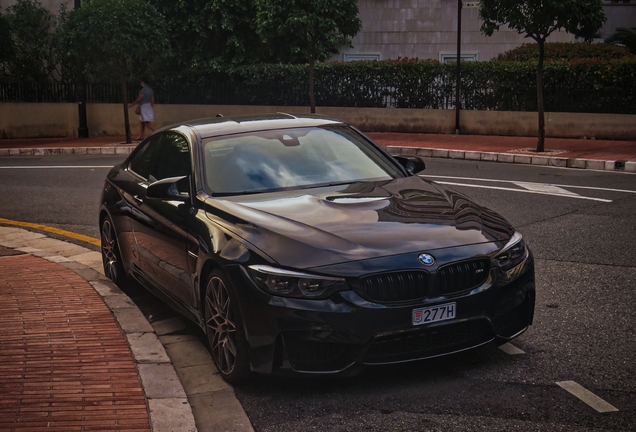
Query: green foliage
point(311, 29)
point(29, 52)
point(115, 38)
point(209, 36)
point(578, 85)
point(625, 37)
point(7, 49)
point(537, 19)
point(566, 51)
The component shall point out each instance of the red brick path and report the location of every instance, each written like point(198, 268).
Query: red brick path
point(64, 363)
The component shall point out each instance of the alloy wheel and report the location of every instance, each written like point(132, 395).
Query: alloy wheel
point(220, 325)
point(110, 256)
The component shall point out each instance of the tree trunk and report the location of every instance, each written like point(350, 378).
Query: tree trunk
point(125, 100)
point(312, 99)
point(541, 132)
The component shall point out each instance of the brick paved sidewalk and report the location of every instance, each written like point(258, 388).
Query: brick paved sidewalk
point(64, 363)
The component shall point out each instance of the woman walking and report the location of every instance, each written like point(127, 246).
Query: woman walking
point(145, 102)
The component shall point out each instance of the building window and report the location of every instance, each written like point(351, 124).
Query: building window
point(452, 57)
point(357, 57)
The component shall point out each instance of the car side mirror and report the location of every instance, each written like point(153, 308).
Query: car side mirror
point(413, 164)
point(167, 189)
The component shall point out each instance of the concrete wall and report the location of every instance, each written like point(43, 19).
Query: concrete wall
point(426, 29)
point(60, 120)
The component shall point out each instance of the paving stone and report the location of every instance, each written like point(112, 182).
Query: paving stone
point(522, 159)
point(558, 162)
point(394, 150)
point(132, 321)
point(472, 155)
point(146, 348)
point(610, 165)
point(188, 353)
point(456, 154)
point(106, 288)
point(630, 167)
point(424, 152)
point(540, 160)
point(168, 326)
point(173, 339)
point(505, 157)
point(595, 164)
point(160, 381)
point(201, 379)
point(121, 301)
point(220, 412)
point(170, 415)
point(488, 156)
point(577, 163)
point(441, 153)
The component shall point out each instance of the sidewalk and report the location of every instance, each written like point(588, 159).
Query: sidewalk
point(561, 152)
point(76, 354)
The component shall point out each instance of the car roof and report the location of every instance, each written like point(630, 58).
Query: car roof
point(217, 126)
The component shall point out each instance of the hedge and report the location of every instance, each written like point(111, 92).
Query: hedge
point(567, 51)
point(578, 85)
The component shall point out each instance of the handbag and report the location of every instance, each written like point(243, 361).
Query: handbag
point(137, 110)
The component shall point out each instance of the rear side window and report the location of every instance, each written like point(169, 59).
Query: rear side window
point(166, 155)
point(142, 160)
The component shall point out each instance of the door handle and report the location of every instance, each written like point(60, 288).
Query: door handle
point(139, 200)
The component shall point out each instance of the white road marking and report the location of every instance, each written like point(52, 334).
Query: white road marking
point(510, 349)
point(544, 187)
point(56, 167)
point(524, 191)
point(512, 181)
point(587, 396)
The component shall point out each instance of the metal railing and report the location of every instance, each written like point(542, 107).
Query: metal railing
point(432, 95)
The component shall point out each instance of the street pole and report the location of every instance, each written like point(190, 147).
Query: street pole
point(458, 83)
point(80, 88)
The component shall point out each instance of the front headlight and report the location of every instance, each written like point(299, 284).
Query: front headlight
point(287, 283)
point(513, 254)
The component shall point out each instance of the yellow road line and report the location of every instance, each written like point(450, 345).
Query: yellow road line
point(69, 234)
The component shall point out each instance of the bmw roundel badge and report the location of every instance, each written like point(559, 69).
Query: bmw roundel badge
point(426, 259)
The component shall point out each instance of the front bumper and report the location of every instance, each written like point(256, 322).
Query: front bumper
point(289, 335)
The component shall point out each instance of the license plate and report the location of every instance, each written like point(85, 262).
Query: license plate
point(433, 314)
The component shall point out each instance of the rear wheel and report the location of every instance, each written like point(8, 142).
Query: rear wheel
point(111, 258)
point(224, 329)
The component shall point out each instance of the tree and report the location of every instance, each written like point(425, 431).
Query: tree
point(116, 38)
point(624, 37)
point(209, 36)
point(537, 19)
point(31, 53)
point(6, 44)
point(313, 29)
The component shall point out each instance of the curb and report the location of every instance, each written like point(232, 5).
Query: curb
point(168, 406)
point(553, 161)
point(48, 151)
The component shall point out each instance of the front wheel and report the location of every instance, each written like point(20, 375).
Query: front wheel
point(111, 257)
point(224, 329)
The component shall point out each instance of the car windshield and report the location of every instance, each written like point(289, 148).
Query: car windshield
point(292, 158)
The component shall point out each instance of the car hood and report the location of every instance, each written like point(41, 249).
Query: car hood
point(330, 225)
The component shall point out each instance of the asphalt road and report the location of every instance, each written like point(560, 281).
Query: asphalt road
point(581, 226)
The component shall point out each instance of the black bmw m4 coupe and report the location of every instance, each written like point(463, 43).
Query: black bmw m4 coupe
point(300, 246)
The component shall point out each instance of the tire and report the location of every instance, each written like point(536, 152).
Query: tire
point(111, 257)
point(224, 329)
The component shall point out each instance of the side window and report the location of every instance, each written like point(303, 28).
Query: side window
point(173, 159)
point(143, 158)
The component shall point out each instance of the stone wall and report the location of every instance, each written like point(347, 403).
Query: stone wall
point(23, 120)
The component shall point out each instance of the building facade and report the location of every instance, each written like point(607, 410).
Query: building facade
point(427, 29)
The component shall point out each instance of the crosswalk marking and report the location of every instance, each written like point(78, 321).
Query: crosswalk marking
point(587, 396)
point(510, 349)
